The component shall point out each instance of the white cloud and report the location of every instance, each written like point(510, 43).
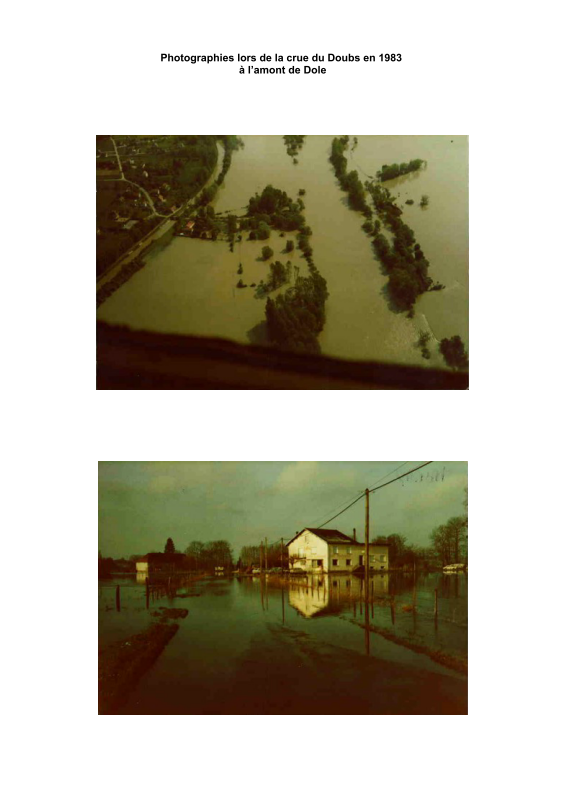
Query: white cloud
point(296, 476)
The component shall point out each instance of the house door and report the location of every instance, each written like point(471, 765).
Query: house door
point(361, 560)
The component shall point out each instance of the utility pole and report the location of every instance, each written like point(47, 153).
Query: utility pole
point(367, 543)
point(281, 556)
point(266, 554)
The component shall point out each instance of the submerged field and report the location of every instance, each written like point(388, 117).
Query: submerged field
point(189, 285)
point(308, 645)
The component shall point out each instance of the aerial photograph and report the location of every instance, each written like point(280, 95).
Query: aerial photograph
point(283, 588)
point(282, 262)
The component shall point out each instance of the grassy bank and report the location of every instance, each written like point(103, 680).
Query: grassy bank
point(455, 662)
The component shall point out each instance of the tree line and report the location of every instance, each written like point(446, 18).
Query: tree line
point(389, 172)
point(448, 544)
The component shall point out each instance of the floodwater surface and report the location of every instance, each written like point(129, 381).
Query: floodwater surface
point(255, 645)
point(188, 286)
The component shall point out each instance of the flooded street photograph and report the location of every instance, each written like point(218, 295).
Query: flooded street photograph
point(229, 603)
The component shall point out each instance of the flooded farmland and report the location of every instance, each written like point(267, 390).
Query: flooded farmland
point(188, 285)
point(304, 644)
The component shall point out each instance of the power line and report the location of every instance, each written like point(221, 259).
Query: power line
point(377, 489)
point(400, 477)
point(357, 497)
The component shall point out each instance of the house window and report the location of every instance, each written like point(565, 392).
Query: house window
point(373, 558)
point(335, 550)
point(348, 562)
point(382, 558)
point(335, 562)
point(349, 550)
point(301, 552)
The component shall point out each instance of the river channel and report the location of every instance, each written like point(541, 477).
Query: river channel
point(188, 285)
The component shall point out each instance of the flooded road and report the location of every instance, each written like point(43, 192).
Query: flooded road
point(308, 645)
point(189, 286)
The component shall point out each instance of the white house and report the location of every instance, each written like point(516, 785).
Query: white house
point(315, 550)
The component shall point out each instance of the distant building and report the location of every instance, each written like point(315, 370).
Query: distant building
point(162, 562)
point(316, 550)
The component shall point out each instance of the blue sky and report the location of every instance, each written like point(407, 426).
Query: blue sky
point(141, 504)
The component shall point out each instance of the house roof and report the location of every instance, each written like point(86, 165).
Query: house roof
point(335, 537)
point(330, 536)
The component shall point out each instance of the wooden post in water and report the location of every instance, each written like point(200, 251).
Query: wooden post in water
point(147, 592)
point(117, 598)
point(282, 570)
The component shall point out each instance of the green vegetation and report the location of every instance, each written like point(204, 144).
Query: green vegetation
point(279, 275)
point(294, 145)
point(296, 318)
point(207, 555)
point(169, 547)
point(404, 261)
point(289, 247)
point(424, 201)
point(161, 174)
point(266, 253)
point(276, 208)
point(423, 340)
point(388, 172)
point(349, 182)
point(454, 353)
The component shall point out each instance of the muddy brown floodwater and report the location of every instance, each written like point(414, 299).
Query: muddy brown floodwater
point(189, 286)
point(255, 645)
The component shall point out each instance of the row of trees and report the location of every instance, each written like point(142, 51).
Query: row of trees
point(350, 182)
point(448, 544)
point(388, 172)
point(205, 556)
point(404, 261)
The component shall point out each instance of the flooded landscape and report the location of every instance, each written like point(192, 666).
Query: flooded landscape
point(189, 285)
point(298, 645)
point(275, 617)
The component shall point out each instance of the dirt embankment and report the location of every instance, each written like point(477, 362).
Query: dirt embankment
point(122, 664)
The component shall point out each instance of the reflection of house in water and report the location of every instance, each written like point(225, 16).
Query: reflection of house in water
point(328, 596)
point(316, 550)
point(310, 600)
